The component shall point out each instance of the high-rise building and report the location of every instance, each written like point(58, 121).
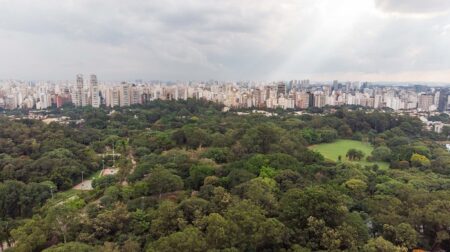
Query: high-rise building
point(78, 92)
point(319, 100)
point(425, 102)
point(135, 97)
point(437, 94)
point(281, 90)
point(125, 95)
point(443, 100)
point(115, 97)
point(302, 100)
point(311, 99)
point(95, 98)
point(258, 98)
point(85, 97)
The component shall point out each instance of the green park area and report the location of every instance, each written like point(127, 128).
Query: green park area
point(338, 148)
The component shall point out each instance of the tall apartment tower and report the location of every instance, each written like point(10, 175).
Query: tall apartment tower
point(302, 100)
point(425, 102)
point(95, 98)
point(85, 97)
point(125, 95)
point(319, 100)
point(281, 89)
point(443, 100)
point(78, 94)
point(135, 97)
point(115, 96)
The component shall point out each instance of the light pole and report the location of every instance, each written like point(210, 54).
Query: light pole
point(82, 180)
point(114, 157)
point(103, 167)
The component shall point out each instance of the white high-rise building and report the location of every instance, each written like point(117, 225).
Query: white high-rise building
point(319, 100)
point(78, 93)
point(95, 98)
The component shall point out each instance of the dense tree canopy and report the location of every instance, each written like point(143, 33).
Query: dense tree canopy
point(194, 178)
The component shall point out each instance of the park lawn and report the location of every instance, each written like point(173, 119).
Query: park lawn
point(95, 175)
point(61, 197)
point(340, 147)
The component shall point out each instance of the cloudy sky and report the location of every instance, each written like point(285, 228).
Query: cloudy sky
point(375, 40)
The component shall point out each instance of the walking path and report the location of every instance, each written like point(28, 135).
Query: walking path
point(86, 185)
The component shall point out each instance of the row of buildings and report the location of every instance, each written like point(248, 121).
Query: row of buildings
point(295, 94)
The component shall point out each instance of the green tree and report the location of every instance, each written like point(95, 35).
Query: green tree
point(287, 179)
point(219, 155)
point(402, 235)
point(354, 154)
point(321, 202)
point(109, 223)
point(31, 236)
point(194, 208)
point(6, 226)
point(190, 239)
point(161, 181)
point(196, 137)
point(356, 187)
point(220, 233)
point(167, 220)
point(345, 131)
point(418, 160)
point(381, 245)
point(62, 219)
point(104, 181)
point(131, 245)
point(260, 139)
point(198, 173)
point(328, 135)
point(261, 192)
point(220, 199)
point(436, 217)
point(110, 247)
point(381, 153)
point(254, 230)
point(71, 246)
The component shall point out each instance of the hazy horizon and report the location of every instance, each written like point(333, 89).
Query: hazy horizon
point(394, 41)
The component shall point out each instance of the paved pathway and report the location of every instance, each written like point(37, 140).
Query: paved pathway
point(109, 171)
point(5, 246)
point(85, 186)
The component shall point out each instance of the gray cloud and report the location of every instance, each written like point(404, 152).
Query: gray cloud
point(413, 6)
point(235, 39)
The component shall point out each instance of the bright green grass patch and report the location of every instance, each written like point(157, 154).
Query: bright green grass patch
point(95, 175)
point(340, 147)
point(61, 197)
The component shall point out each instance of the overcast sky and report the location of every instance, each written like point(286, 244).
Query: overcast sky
point(374, 40)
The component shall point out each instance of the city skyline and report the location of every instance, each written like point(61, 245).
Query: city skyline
point(293, 94)
point(368, 40)
point(312, 81)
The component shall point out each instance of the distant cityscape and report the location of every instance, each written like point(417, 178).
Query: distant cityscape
point(294, 94)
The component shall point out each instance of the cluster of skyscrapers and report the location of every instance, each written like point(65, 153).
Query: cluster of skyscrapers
point(295, 94)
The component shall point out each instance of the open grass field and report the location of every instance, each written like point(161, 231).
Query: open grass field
point(340, 147)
